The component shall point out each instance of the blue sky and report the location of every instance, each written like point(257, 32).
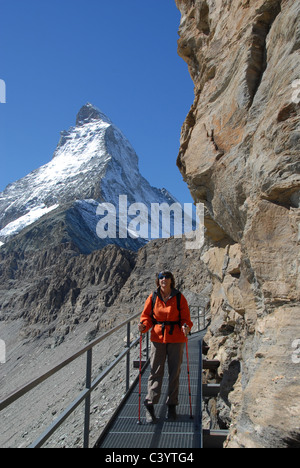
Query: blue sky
point(120, 55)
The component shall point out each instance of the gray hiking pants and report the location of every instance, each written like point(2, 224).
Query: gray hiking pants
point(159, 353)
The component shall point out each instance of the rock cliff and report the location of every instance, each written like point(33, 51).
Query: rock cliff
point(240, 156)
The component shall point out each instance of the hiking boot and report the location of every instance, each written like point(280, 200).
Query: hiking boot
point(150, 413)
point(172, 415)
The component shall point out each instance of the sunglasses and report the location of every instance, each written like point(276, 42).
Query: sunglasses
point(164, 275)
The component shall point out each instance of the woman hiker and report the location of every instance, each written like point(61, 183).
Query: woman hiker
point(166, 311)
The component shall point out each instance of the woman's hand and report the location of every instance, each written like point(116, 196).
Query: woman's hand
point(186, 329)
point(142, 327)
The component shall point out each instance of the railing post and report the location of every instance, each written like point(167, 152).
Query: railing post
point(88, 383)
point(203, 317)
point(128, 357)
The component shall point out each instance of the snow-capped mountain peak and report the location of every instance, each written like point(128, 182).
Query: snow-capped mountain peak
point(88, 113)
point(93, 161)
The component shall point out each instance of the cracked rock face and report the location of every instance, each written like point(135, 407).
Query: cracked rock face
point(240, 156)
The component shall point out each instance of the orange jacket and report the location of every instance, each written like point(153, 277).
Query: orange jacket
point(166, 312)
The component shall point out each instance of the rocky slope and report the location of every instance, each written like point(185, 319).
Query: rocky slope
point(55, 301)
point(239, 155)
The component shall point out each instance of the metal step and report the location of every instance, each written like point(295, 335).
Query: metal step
point(214, 438)
point(211, 364)
point(210, 390)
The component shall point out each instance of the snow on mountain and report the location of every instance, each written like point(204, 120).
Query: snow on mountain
point(20, 223)
point(93, 163)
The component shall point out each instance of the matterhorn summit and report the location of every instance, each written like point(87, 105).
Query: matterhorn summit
point(93, 163)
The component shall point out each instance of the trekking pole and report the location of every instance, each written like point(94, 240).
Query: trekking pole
point(140, 379)
point(188, 372)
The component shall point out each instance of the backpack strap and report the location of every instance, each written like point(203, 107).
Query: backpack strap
point(154, 297)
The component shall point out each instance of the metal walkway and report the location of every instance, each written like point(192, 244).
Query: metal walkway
point(124, 432)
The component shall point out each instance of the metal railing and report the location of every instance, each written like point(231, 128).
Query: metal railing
point(199, 316)
point(90, 384)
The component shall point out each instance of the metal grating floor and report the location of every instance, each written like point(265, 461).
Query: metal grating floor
point(124, 432)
